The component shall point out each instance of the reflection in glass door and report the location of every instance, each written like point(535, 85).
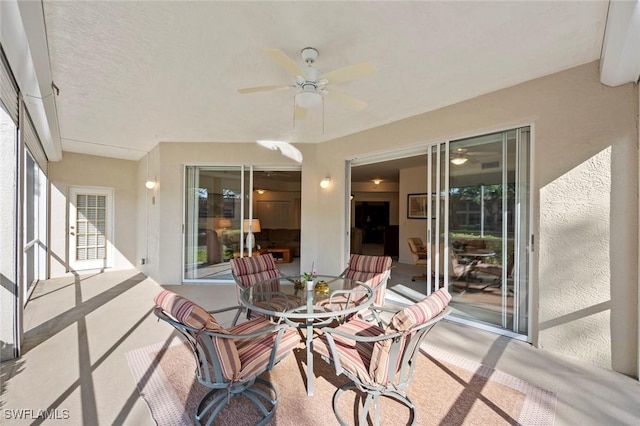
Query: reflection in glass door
point(34, 225)
point(488, 229)
point(214, 211)
point(478, 227)
point(238, 211)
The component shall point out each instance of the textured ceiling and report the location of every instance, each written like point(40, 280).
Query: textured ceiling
point(133, 74)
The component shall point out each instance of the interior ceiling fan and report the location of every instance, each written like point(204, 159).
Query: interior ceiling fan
point(311, 84)
point(459, 156)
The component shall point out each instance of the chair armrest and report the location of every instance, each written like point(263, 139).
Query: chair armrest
point(272, 295)
point(344, 291)
point(229, 308)
point(331, 331)
point(270, 329)
point(267, 330)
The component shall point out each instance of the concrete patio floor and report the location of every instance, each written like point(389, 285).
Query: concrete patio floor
point(79, 328)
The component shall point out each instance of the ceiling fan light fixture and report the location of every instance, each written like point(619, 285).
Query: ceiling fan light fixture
point(458, 161)
point(308, 99)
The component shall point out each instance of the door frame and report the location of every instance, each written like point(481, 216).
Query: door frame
point(426, 149)
point(108, 262)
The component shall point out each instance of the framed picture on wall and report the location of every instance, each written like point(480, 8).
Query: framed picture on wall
point(417, 206)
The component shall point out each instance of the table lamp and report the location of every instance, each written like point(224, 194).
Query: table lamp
point(251, 226)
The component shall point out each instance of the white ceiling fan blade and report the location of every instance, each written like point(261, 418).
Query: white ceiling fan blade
point(348, 100)
point(350, 72)
point(262, 88)
point(285, 62)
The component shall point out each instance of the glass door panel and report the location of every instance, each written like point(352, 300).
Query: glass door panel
point(488, 228)
point(226, 218)
point(213, 220)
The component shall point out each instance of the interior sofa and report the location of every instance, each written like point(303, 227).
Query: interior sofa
point(279, 238)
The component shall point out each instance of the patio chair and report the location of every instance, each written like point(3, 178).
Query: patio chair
point(419, 253)
point(247, 271)
point(228, 361)
point(457, 269)
point(496, 271)
point(380, 361)
point(373, 271)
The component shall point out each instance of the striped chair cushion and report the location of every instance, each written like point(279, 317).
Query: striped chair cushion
point(355, 357)
point(255, 352)
point(278, 303)
point(371, 270)
point(191, 314)
point(421, 312)
point(186, 312)
point(250, 270)
point(411, 316)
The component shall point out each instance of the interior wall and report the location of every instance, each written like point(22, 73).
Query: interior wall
point(93, 171)
point(292, 200)
point(412, 181)
point(574, 119)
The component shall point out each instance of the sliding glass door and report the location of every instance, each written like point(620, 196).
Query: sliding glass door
point(468, 206)
point(488, 215)
point(214, 209)
point(238, 211)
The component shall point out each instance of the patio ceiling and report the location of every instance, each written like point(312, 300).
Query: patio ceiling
point(133, 74)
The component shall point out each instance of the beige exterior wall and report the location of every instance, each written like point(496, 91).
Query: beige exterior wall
point(92, 171)
point(585, 150)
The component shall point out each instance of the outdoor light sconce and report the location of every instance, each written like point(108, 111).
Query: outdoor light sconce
point(150, 184)
point(324, 183)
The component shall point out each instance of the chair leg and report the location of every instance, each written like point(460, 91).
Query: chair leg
point(336, 396)
point(362, 420)
point(212, 403)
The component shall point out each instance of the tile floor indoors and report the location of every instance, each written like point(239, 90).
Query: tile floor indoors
point(79, 328)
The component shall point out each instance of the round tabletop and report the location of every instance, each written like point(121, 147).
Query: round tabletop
point(323, 301)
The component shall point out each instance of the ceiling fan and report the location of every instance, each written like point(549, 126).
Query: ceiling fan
point(311, 84)
point(459, 156)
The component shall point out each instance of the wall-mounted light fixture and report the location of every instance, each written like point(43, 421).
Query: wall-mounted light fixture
point(260, 191)
point(150, 184)
point(324, 183)
point(377, 181)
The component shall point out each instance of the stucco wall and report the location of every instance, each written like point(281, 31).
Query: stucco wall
point(577, 123)
point(93, 171)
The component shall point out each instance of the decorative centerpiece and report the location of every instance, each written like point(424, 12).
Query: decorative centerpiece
point(321, 287)
point(308, 277)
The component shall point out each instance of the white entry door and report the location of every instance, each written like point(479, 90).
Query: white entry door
point(90, 228)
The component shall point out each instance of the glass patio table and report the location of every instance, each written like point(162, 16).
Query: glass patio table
point(315, 306)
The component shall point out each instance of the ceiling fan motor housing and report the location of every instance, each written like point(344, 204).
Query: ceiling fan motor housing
point(309, 54)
